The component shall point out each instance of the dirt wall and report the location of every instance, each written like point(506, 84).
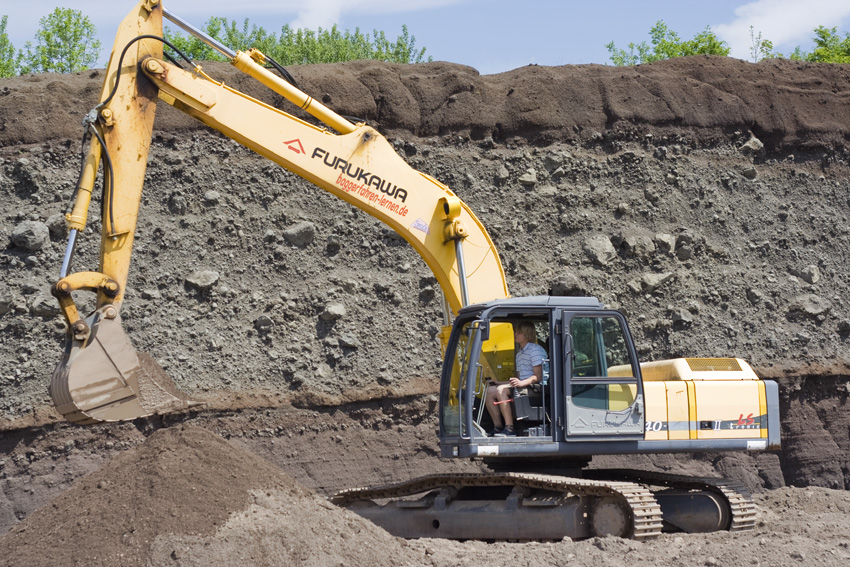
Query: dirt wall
point(707, 198)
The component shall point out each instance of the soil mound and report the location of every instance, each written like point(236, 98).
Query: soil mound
point(182, 481)
point(702, 99)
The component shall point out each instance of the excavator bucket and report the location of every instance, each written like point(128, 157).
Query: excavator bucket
point(103, 378)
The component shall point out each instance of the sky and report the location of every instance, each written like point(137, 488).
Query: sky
point(492, 36)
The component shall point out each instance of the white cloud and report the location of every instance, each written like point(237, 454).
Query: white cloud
point(787, 23)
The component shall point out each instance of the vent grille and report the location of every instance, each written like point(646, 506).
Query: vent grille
point(714, 364)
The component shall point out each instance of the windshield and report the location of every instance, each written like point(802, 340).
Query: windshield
point(458, 359)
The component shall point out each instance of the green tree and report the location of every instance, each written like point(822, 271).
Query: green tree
point(300, 46)
point(666, 44)
point(66, 42)
point(403, 50)
point(829, 47)
point(9, 61)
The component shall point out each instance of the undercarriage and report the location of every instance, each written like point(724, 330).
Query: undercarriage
point(543, 507)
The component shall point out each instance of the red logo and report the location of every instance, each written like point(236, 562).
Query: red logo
point(295, 146)
point(749, 420)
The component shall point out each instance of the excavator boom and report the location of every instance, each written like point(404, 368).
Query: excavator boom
point(101, 377)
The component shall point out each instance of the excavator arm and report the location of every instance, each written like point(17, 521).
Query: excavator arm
point(101, 377)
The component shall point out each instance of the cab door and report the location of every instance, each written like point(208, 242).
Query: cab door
point(603, 389)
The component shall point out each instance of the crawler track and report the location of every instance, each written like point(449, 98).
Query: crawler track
point(641, 512)
point(743, 511)
point(607, 502)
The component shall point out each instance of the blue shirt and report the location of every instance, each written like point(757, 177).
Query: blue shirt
point(527, 358)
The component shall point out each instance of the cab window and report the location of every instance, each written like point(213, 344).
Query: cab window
point(600, 350)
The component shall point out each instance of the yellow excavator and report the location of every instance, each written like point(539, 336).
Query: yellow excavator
point(593, 397)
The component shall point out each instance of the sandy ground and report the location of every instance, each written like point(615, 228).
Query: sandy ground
point(186, 497)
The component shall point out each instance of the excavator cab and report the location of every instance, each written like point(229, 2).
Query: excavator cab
point(591, 387)
point(597, 398)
